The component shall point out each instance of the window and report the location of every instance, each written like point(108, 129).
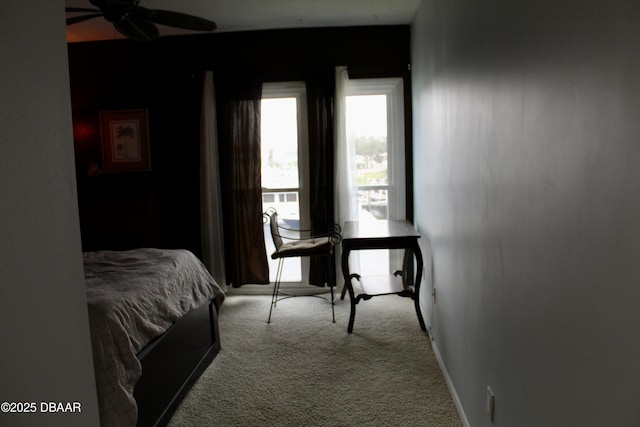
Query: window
point(284, 166)
point(374, 134)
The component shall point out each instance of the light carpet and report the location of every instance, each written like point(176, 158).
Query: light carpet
point(303, 370)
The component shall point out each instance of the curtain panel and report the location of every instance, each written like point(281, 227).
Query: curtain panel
point(320, 99)
point(238, 96)
point(210, 193)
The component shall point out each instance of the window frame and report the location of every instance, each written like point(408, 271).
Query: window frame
point(393, 88)
point(297, 90)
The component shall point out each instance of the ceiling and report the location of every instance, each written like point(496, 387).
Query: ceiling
point(245, 15)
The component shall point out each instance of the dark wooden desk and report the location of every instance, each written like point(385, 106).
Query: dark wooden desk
point(381, 235)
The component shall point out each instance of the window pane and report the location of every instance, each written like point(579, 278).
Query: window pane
point(280, 174)
point(366, 123)
point(367, 131)
point(279, 125)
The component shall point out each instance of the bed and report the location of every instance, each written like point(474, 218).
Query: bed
point(153, 322)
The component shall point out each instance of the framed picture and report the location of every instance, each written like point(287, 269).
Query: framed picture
point(125, 140)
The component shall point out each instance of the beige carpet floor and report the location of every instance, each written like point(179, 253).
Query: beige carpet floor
point(304, 370)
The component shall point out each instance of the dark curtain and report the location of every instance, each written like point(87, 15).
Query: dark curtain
point(320, 84)
point(238, 96)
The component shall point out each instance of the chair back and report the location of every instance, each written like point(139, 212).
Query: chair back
point(275, 231)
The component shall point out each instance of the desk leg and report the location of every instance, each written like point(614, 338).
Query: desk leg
point(416, 296)
point(348, 286)
point(344, 291)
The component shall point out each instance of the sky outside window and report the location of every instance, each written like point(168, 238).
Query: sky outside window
point(279, 126)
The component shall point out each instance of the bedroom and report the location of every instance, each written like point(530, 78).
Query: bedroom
point(582, 60)
point(160, 207)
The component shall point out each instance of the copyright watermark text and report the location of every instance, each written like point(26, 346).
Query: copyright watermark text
point(40, 407)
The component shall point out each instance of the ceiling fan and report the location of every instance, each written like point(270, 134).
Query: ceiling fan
point(137, 22)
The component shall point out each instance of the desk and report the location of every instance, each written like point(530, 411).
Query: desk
point(381, 235)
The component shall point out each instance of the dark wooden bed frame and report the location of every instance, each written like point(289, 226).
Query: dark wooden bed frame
point(173, 362)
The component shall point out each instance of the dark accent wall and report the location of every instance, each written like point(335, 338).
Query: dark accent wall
point(161, 207)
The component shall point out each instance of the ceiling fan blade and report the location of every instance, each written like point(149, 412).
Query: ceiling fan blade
point(137, 22)
point(76, 19)
point(137, 29)
point(181, 20)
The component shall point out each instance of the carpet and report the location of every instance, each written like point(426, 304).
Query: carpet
point(303, 370)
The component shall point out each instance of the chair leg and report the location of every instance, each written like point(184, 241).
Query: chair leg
point(333, 312)
point(276, 288)
point(332, 283)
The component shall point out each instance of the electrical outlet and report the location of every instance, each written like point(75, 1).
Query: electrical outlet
point(490, 404)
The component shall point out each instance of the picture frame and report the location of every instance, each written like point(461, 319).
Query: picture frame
point(125, 140)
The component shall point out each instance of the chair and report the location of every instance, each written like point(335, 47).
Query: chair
point(288, 246)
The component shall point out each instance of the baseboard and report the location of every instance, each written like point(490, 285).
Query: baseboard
point(452, 389)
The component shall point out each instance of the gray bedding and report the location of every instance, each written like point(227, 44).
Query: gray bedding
point(133, 297)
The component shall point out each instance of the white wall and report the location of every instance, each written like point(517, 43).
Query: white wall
point(527, 183)
point(45, 352)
